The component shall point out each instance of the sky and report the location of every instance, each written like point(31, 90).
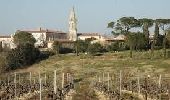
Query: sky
point(93, 15)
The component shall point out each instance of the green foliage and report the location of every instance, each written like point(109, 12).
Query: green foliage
point(2, 62)
point(22, 56)
point(141, 41)
point(146, 23)
point(113, 47)
point(156, 35)
point(1, 49)
point(110, 25)
point(163, 21)
point(159, 41)
point(136, 41)
point(168, 38)
point(56, 47)
point(128, 22)
point(22, 38)
point(95, 48)
point(123, 25)
point(82, 45)
point(116, 46)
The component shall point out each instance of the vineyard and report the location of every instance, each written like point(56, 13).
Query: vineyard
point(108, 77)
point(113, 86)
point(42, 87)
point(131, 87)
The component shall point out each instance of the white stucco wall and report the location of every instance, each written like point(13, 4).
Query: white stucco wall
point(7, 42)
point(86, 37)
point(40, 38)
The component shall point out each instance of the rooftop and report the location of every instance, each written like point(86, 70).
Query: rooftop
point(5, 36)
point(40, 30)
point(88, 34)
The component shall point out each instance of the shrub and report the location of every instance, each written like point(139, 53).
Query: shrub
point(45, 55)
point(82, 45)
point(22, 56)
point(56, 47)
point(95, 48)
point(2, 63)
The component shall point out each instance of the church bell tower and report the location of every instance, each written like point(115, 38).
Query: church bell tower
point(72, 26)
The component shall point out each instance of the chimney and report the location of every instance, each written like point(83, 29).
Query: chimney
point(40, 29)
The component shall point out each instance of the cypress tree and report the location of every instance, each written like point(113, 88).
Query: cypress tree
point(156, 35)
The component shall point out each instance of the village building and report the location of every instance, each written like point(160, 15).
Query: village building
point(6, 41)
point(46, 37)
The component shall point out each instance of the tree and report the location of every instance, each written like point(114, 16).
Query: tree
point(25, 53)
point(162, 23)
point(22, 38)
point(140, 41)
point(1, 49)
point(168, 37)
point(146, 24)
point(127, 23)
point(111, 25)
point(56, 46)
point(130, 41)
point(22, 56)
point(136, 41)
point(76, 44)
point(123, 25)
point(156, 35)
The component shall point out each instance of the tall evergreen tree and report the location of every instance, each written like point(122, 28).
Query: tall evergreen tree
point(146, 24)
point(156, 35)
point(162, 23)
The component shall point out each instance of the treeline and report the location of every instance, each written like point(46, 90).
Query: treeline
point(79, 46)
point(142, 40)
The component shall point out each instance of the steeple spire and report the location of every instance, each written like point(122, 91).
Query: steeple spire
point(72, 25)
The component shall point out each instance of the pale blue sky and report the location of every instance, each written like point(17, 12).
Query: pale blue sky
point(93, 15)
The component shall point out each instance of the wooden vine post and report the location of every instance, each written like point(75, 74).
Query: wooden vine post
point(67, 77)
point(19, 78)
point(40, 82)
point(15, 75)
point(108, 81)
point(30, 77)
point(138, 84)
point(99, 79)
point(62, 84)
point(45, 79)
point(8, 80)
point(103, 78)
point(120, 84)
point(159, 86)
point(55, 86)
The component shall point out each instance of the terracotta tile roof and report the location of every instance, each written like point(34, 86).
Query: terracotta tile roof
point(63, 41)
point(5, 36)
point(88, 34)
point(116, 38)
point(41, 31)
